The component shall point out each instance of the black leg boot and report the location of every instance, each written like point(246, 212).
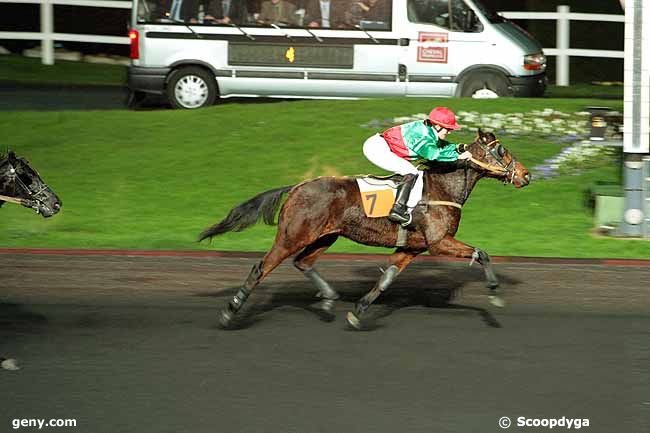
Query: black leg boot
point(399, 213)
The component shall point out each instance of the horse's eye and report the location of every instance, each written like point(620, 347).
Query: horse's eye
point(501, 151)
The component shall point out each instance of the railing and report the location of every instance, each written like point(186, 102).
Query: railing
point(47, 36)
point(563, 16)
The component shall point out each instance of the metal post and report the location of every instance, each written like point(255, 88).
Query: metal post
point(646, 195)
point(47, 28)
point(563, 36)
point(636, 134)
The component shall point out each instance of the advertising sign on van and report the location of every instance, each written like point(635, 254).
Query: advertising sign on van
point(429, 49)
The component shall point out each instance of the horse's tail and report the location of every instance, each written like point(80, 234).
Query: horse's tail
point(248, 213)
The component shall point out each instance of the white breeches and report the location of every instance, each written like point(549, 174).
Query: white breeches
point(377, 151)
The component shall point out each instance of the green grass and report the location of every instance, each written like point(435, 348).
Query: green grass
point(31, 71)
point(156, 179)
point(581, 90)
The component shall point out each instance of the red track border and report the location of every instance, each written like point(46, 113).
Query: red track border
point(331, 256)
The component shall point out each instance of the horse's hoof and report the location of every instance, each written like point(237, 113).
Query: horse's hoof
point(325, 309)
point(225, 318)
point(497, 301)
point(354, 321)
point(10, 364)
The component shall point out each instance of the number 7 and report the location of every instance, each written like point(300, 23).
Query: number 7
point(372, 197)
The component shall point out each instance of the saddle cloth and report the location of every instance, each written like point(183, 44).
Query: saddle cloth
point(377, 194)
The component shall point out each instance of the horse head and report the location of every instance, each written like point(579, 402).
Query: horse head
point(491, 158)
point(20, 181)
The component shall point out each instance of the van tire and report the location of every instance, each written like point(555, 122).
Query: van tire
point(491, 80)
point(191, 87)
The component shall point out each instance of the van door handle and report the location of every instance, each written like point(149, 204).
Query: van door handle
point(402, 72)
point(404, 42)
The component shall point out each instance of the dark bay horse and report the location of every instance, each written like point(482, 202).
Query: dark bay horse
point(21, 184)
point(318, 211)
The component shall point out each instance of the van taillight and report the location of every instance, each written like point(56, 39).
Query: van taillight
point(134, 36)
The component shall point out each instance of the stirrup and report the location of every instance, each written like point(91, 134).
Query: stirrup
point(403, 220)
point(398, 218)
point(408, 222)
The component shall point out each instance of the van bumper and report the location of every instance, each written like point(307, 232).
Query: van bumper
point(529, 86)
point(148, 80)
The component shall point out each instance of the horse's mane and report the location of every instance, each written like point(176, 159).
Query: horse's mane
point(4, 154)
point(439, 167)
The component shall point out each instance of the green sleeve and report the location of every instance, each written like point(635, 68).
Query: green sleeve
point(448, 153)
point(428, 151)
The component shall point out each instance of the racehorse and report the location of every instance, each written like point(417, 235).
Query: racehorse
point(318, 211)
point(21, 184)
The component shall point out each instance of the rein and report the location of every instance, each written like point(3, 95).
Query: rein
point(20, 201)
point(443, 203)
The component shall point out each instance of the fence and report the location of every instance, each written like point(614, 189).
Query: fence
point(47, 36)
point(563, 16)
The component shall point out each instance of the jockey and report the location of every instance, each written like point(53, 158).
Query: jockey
point(396, 148)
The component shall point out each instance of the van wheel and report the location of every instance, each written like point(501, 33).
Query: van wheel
point(485, 85)
point(191, 87)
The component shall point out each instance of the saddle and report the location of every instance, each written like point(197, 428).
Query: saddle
point(378, 194)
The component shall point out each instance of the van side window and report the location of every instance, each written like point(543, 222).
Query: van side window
point(328, 14)
point(452, 15)
point(169, 11)
point(368, 14)
point(225, 12)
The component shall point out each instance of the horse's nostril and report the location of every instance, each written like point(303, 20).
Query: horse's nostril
point(56, 206)
point(527, 177)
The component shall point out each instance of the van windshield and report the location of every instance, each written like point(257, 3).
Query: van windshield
point(313, 14)
point(452, 15)
point(490, 15)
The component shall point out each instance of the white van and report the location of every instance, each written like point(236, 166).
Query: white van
point(196, 51)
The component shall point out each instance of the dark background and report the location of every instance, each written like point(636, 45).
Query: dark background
point(584, 34)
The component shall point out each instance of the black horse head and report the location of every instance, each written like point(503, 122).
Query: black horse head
point(20, 181)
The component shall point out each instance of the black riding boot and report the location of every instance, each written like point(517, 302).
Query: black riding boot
point(399, 213)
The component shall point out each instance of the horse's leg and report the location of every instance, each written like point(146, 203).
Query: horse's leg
point(449, 246)
point(270, 261)
point(296, 230)
point(305, 263)
point(398, 261)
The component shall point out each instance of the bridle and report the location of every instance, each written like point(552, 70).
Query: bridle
point(507, 171)
point(27, 202)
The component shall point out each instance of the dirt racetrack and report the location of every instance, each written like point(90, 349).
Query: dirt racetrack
point(128, 343)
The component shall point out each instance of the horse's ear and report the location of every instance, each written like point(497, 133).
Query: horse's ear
point(11, 155)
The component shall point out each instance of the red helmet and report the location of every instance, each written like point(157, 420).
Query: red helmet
point(444, 117)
